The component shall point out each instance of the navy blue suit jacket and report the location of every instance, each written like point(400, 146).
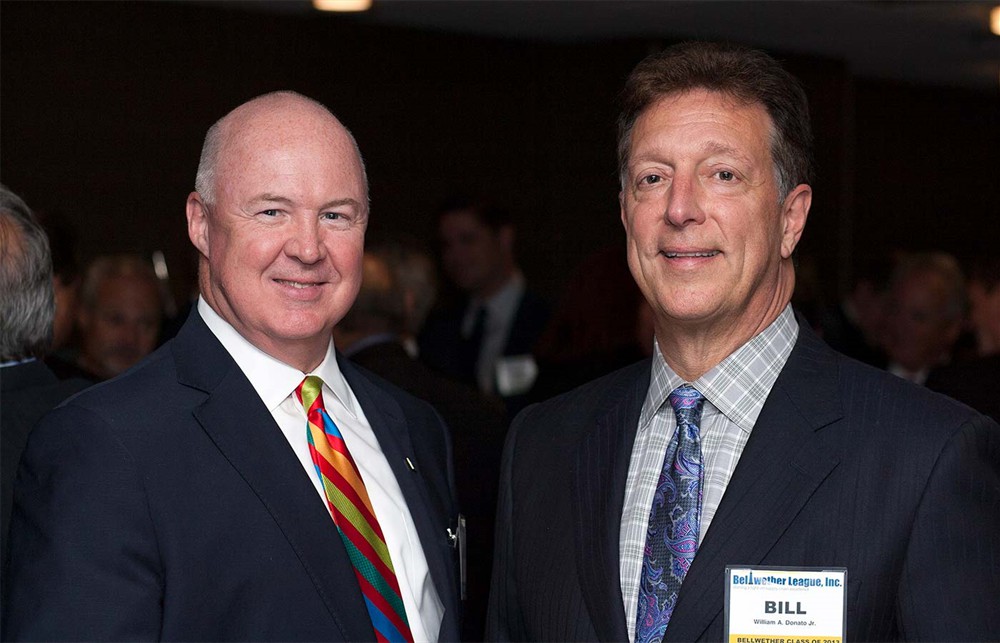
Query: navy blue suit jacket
point(167, 504)
point(846, 466)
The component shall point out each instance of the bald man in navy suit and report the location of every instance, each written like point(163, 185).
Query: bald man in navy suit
point(181, 500)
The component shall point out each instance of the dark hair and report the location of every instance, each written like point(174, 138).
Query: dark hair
point(486, 213)
point(985, 270)
point(747, 75)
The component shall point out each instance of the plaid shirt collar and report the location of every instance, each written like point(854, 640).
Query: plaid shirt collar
point(737, 386)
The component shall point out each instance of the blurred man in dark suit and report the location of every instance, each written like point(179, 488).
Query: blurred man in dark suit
point(856, 325)
point(745, 440)
point(27, 308)
point(976, 381)
point(245, 482)
point(488, 338)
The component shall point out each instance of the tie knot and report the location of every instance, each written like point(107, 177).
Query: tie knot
point(310, 392)
point(687, 403)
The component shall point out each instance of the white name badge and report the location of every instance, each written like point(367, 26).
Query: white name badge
point(786, 604)
point(515, 374)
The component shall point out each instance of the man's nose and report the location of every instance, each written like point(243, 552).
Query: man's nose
point(683, 201)
point(305, 243)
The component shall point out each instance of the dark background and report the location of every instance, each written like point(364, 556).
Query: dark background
point(103, 107)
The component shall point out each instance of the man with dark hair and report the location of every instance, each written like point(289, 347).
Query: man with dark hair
point(488, 338)
point(28, 388)
point(246, 483)
point(976, 381)
point(745, 441)
point(855, 326)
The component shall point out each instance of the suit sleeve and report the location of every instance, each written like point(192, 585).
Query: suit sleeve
point(950, 585)
point(503, 617)
point(84, 562)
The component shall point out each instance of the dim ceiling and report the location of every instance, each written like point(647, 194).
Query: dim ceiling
point(926, 42)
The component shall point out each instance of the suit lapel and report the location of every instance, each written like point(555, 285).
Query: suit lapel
point(430, 518)
point(599, 494)
point(780, 468)
point(247, 436)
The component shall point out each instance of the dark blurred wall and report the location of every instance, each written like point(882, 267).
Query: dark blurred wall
point(103, 107)
point(927, 169)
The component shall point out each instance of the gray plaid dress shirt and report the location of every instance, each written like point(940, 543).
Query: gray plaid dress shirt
point(735, 391)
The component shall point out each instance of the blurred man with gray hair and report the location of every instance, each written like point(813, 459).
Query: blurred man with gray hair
point(119, 314)
point(926, 310)
point(27, 387)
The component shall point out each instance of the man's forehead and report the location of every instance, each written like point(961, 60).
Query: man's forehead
point(711, 98)
point(667, 106)
point(281, 129)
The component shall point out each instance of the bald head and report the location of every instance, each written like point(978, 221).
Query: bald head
point(279, 219)
point(279, 113)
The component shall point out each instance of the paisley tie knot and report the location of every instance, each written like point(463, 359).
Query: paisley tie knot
point(687, 403)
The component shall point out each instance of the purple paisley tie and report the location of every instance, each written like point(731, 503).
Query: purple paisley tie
point(674, 520)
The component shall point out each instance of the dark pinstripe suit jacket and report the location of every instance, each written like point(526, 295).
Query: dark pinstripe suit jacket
point(847, 466)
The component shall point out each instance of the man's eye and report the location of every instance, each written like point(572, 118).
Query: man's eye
point(726, 175)
point(269, 213)
point(650, 179)
point(332, 216)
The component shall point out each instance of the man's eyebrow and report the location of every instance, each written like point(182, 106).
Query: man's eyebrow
point(708, 147)
point(273, 198)
point(716, 147)
point(339, 202)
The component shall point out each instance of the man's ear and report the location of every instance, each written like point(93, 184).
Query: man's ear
point(795, 211)
point(197, 219)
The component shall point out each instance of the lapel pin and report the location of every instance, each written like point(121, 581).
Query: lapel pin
point(412, 468)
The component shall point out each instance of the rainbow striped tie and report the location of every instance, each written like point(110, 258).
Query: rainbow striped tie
point(354, 516)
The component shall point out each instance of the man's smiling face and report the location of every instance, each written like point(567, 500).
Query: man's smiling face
point(708, 234)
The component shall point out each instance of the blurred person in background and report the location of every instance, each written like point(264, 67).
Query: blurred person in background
point(488, 338)
point(856, 326)
point(976, 381)
point(28, 388)
point(65, 278)
point(926, 310)
point(984, 299)
point(417, 277)
point(595, 329)
point(119, 315)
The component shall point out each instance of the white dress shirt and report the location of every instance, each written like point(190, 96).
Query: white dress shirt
point(275, 383)
point(735, 391)
point(500, 311)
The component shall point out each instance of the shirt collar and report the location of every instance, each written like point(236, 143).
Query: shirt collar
point(737, 386)
point(18, 362)
point(274, 380)
point(497, 306)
